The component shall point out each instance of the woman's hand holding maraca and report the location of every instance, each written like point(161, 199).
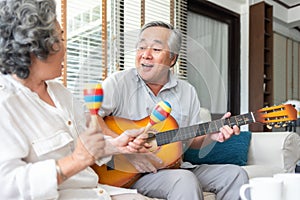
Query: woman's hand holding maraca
point(90, 146)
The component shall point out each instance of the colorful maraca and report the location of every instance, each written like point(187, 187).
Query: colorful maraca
point(93, 97)
point(159, 113)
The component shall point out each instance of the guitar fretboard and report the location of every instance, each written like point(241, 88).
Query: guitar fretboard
point(186, 133)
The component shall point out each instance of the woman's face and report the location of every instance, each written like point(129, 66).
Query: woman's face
point(51, 67)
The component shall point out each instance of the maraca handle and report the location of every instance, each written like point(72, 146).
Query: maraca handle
point(147, 128)
point(94, 123)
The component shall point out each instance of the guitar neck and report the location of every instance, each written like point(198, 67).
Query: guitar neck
point(189, 132)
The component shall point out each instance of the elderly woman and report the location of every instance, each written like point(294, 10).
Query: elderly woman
point(46, 150)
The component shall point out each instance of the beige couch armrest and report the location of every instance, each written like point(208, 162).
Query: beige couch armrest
point(291, 152)
point(278, 150)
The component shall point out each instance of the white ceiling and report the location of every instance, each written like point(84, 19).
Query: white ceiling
point(290, 3)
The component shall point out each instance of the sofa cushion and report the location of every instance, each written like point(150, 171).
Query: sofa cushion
point(232, 151)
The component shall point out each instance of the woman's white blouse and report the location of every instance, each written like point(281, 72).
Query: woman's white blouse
point(34, 134)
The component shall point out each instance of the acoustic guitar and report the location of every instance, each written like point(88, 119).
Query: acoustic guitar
point(166, 136)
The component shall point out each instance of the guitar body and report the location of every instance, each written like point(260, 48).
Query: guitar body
point(122, 173)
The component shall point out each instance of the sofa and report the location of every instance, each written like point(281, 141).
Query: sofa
point(270, 153)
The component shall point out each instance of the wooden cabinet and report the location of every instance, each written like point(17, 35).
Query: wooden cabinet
point(260, 59)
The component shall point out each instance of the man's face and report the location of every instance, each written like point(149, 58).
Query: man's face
point(153, 59)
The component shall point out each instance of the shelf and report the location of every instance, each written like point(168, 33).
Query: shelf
point(267, 79)
point(267, 34)
point(260, 59)
point(267, 64)
point(267, 49)
point(266, 104)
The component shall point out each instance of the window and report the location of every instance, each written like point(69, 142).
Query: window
point(208, 61)
point(101, 36)
point(230, 21)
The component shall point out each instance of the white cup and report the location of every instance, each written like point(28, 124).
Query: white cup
point(291, 185)
point(262, 188)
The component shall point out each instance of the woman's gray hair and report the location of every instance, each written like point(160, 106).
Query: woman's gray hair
point(27, 27)
point(174, 41)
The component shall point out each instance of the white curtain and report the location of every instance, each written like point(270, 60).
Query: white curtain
point(207, 56)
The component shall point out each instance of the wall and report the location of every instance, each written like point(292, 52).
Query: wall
point(286, 69)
